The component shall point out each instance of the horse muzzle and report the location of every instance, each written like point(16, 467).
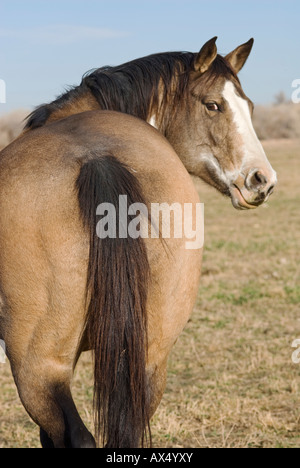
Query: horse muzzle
point(253, 190)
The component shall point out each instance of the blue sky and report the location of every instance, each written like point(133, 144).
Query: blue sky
point(47, 45)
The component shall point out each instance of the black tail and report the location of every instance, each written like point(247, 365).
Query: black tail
point(118, 276)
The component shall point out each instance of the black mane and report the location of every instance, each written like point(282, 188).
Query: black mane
point(134, 87)
point(129, 88)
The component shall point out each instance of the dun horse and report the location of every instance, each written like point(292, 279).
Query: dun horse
point(65, 290)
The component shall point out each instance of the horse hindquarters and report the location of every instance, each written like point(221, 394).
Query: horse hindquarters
point(45, 264)
point(42, 282)
point(51, 285)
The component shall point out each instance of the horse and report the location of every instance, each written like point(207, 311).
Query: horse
point(192, 99)
point(64, 290)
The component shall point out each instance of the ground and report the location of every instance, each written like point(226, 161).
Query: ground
point(231, 379)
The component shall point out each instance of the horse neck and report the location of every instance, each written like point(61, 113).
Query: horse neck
point(152, 99)
point(164, 105)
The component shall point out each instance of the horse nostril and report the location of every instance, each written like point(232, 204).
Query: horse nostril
point(271, 189)
point(256, 180)
point(259, 179)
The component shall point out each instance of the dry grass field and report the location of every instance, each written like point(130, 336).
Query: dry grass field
point(231, 379)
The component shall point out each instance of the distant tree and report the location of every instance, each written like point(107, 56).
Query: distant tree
point(280, 98)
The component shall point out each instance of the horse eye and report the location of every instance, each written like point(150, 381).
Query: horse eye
point(212, 106)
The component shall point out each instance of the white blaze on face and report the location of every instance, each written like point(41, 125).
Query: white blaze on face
point(254, 155)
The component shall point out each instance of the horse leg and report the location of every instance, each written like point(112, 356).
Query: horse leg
point(46, 396)
point(46, 442)
point(157, 378)
point(42, 363)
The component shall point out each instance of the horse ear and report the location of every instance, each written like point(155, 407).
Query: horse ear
point(237, 58)
point(206, 56)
